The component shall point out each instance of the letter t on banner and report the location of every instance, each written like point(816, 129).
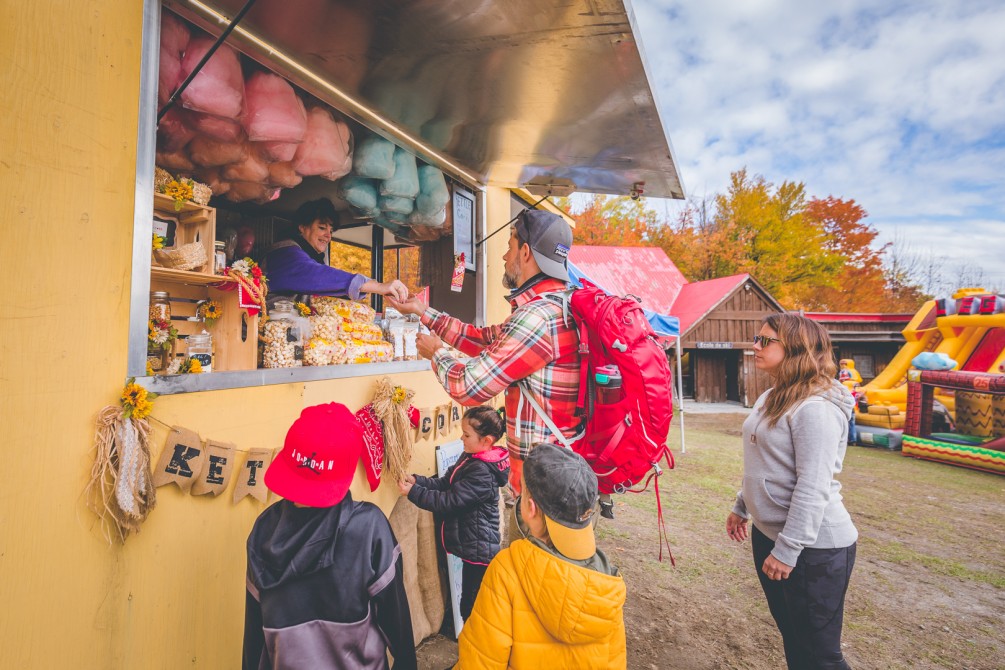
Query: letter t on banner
point(251, 478)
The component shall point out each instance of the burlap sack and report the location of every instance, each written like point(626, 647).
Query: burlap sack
point(425, 581)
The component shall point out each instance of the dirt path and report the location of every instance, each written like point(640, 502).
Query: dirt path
point(928, 589)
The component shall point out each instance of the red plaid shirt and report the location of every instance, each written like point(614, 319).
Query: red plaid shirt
point(533, 344)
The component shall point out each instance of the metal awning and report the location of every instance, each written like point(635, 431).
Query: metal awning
point(500, 92)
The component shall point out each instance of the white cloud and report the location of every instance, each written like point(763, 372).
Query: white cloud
point(900, 106)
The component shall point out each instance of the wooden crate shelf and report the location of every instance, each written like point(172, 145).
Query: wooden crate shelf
point(196, 224)
point(235, 335)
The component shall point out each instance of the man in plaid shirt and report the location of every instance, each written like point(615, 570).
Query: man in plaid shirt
point(533, 347)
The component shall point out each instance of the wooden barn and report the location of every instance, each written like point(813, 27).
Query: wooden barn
point(718, 321)
point(871, 340)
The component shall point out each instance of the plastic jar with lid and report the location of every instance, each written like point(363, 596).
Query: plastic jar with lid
point(282, 337)
point(200, 348)
point(220, 257)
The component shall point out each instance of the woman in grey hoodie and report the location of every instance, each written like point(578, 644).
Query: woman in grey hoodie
point(794, 442)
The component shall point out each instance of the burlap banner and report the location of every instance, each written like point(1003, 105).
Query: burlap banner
point(442, 421)
point(251, 477)
point(182, 459)
point(427, 424)
point(219, 464)
point(456, 413)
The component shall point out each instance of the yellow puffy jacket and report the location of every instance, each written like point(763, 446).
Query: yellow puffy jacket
point(535, 610)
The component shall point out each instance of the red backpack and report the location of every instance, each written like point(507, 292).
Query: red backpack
point(623, 442)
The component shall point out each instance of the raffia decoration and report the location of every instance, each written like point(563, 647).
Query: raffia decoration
point(186, 257)
point(390, 404)
point(121, 490)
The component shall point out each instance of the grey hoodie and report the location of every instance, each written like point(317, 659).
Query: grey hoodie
point(788, 474)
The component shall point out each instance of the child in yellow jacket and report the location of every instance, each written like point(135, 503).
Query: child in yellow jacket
point(552, 600)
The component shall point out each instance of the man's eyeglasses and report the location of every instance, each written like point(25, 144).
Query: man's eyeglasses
point(764, 340)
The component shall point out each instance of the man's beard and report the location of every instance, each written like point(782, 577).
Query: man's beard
point(510, 280)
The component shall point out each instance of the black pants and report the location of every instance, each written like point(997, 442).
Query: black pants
point(471, 581)
point(808, 607)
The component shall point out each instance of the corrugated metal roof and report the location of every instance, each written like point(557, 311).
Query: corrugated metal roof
point(699, 298)
point(643, 271)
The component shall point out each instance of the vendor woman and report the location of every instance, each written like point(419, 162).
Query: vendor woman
point(298, 266)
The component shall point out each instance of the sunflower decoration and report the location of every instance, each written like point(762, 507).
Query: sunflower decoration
point(180, 190)
point(210, 312)
point(191, 366)
point(136, 401)
point(303, 308)
point(161, 333)
point(158, 242)
point(399, 394)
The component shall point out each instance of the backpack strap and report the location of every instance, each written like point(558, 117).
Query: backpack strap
point(562, 298)
point(566, 441)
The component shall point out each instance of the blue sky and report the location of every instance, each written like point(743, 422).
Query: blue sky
point(897, 105)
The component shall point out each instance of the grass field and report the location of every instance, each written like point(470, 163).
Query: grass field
point(928, 589)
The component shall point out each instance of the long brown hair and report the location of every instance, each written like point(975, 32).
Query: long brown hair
point(808, 365)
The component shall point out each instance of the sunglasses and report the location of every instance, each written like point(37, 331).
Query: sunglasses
point(764, 340)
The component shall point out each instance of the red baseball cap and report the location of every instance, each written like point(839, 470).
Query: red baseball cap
point(318, 460)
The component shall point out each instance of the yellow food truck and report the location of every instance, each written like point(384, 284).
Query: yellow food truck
point(509, 101)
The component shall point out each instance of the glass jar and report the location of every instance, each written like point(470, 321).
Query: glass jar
point(160, 305)
point(200, 348)
point(220, 257)
point(160, 310)
point(282, 337)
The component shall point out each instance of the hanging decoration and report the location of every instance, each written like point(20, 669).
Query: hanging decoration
point(181, 460)
point(391, 406)
point(251, 478)
point(219, 464)
point(427, 422)
point(120, 491)
point(251, 283)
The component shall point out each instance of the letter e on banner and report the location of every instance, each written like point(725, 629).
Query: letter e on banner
point(251, 478)
point(426, 423)
point(216, 474)
point(181, 460)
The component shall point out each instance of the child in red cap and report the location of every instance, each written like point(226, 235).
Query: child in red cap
point(465, 499)
point(325, 582)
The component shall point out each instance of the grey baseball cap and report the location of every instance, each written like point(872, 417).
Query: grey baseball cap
point(550, 239)
point(565, 487)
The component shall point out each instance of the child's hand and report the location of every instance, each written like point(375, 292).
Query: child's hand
point(406, 484)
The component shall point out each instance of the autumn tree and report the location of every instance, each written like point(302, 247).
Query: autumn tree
point(699, 247)
point(860, 284)
point(610, 221)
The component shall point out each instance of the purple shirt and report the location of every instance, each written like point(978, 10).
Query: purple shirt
point(290, 271)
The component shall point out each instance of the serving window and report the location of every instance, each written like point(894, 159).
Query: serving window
point(219, 178)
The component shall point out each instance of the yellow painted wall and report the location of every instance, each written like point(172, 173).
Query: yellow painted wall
point(172, 596)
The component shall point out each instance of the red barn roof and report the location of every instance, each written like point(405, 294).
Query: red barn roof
point(643, 271)
point(699, 298)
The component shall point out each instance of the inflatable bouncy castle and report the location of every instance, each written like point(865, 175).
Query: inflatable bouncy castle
point(978, 440)
point(963, 333)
